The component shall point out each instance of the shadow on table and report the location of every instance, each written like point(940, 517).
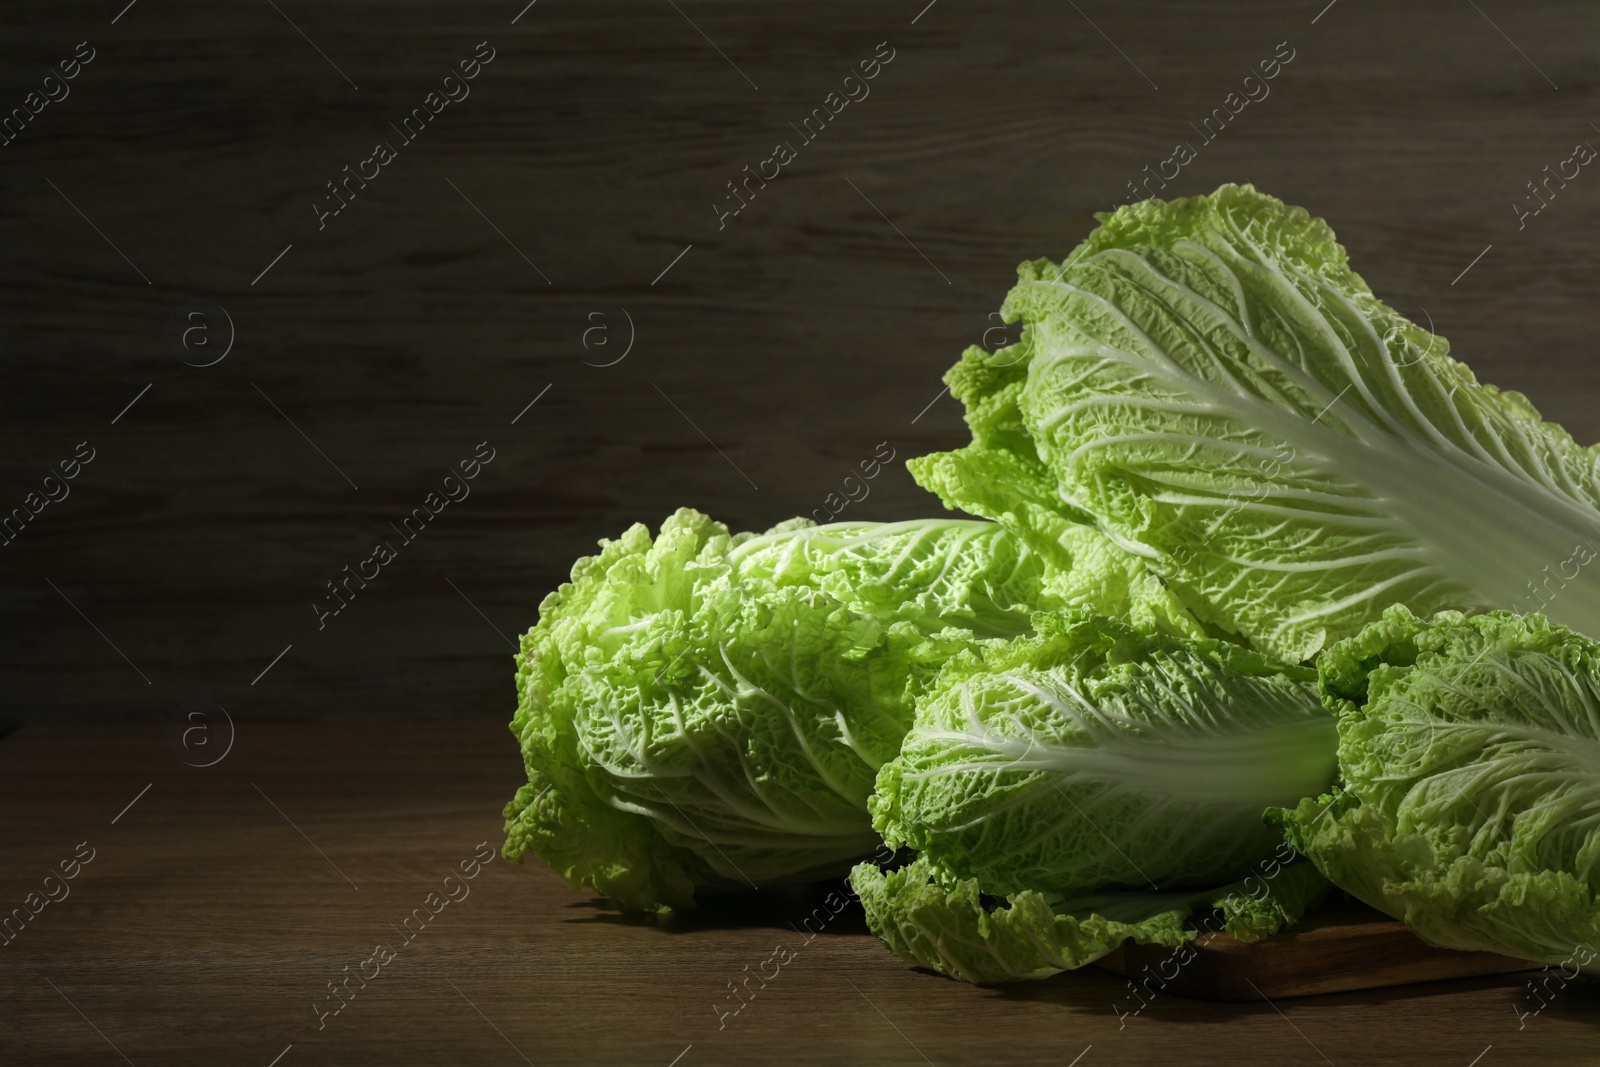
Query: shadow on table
point(1095, 989)
point(831, 906)
point(1528, 997)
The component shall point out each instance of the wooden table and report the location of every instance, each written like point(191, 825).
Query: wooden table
point(218, 907)
point(773, 351)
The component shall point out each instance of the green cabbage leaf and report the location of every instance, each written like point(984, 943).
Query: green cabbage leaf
point(1469, 806)
point(1092, 756)
point(709, 710)
point(953, 927)
point(1092, 783)
point(1209, 384)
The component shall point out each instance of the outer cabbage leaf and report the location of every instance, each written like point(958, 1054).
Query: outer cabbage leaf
point(955, 928)
point(1210, 382)
point(1470, 803)
point(1094, 756)
point(704, 709)
point(1000, 477)
point(1261, 905)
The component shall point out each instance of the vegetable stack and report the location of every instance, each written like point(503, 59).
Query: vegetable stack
point(1259, 575)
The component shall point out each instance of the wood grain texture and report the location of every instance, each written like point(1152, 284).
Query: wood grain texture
point(206, 930)
point(796, 337)
point(781, 348)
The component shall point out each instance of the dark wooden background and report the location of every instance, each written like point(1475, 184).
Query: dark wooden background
point(796, 338)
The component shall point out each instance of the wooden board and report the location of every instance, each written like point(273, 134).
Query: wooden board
point(1344, 947)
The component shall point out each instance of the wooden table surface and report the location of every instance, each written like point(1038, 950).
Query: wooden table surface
point(218, 907)
point(573, 192)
